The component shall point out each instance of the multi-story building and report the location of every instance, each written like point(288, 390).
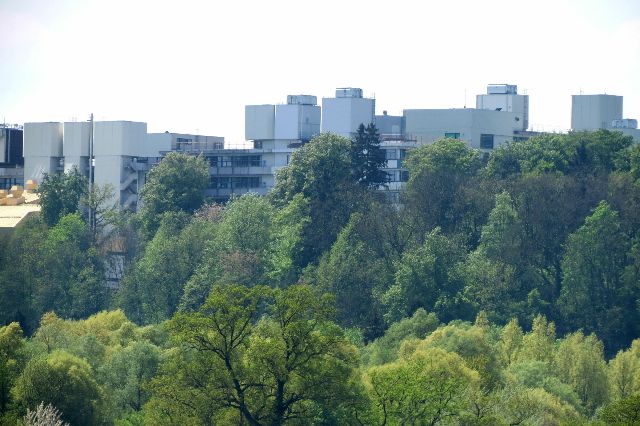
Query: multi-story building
point(344, 113)
point(593, 112)
point(11, 158)
point(114, 153)
point(274, 131)
point(501, 115)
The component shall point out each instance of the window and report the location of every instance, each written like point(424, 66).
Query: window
point(403, 154)
point(391, 154)
point(213, 161)
point(486, 141)
point(452, 135)
point(257, 144)
point(184, 140)
point(404, 176)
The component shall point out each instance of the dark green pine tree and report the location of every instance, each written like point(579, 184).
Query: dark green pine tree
point(367, 158)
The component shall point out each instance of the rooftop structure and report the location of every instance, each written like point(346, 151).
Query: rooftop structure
point(344, 113)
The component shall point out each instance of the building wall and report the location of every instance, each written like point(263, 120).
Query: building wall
point(259, 122)
point(593, 112)
point(344, 113)
point(518, 104)
point(42, 149)
point(430, 125)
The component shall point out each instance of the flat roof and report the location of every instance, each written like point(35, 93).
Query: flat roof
point(11, 216)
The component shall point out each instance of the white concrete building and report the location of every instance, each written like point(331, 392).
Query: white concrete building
point(275, 131)
point(505, 97)
point(344, 113)
point(593, 112)
point(42, 149)
point(479, 128)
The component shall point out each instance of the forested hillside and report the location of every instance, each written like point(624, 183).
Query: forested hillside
point(504, 289)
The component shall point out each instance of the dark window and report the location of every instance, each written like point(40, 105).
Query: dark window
point(452, 135)
point(257, 144)
point(183, 140)
point(391, 154)
point(403, 154)
point(214, 161)
point(486, 141)
point(404, 176)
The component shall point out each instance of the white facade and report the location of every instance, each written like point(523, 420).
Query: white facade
point(482, 129)
point(259, 122)
point(593, 112)
point(298, 119)
point(505, 97)
point(42, 149)
point(344, 113)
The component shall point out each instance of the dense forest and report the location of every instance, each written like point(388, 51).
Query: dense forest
point(504, 289)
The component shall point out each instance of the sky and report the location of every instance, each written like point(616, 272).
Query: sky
point(191, 66)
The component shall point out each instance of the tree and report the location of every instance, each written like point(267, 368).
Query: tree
point(580, 363)
point(321, 172)
point(11, 361)
point(69, 274)
point(177, 184)
point(353, 273)
point(269, 356)
point(60, 194)
point(426, 277)
point(64, 381)
point(437, 174)
point(622, 412)
point(511, 342)
point(101, 209)
point(538, 344)
point(44, 416)
point(367, 158)
point(151, 291)
point(127, 373)
point(426, 387)
point(624, 372)
point(594, 295)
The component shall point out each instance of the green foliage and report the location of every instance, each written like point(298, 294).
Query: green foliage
point(385, 348)
point(64, 381)
point(435, 194)
point(177, 184)
point(152, 290)
point(11, 361)
point(321, 172)
point(367, 158)
point(624, 372)
point(427, 278)
point(353, 273)
point(69, 272)
point(579, 362)
point(473, 345)
point(623, 412)
point(60, 194)
point(267, 355)
point(594, 295)
point(427, 386)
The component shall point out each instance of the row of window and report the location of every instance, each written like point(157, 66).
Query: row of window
point(397, 176)
point(395, 154)
point(236, 161)
point(486, 140)
point(217, 182)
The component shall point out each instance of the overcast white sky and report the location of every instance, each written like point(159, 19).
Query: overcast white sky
point(188, 66)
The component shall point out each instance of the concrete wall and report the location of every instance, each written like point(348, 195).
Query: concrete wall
point(518, 104)
point(297, 122)
point(344, 115)
point(430, 125)
point(259, 122)
point(593, 112)
point(42, 149)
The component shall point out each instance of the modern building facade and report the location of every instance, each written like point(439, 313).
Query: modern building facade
point(344, 113)
point(11, 158)
point(593, 112)
point(114, 153)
